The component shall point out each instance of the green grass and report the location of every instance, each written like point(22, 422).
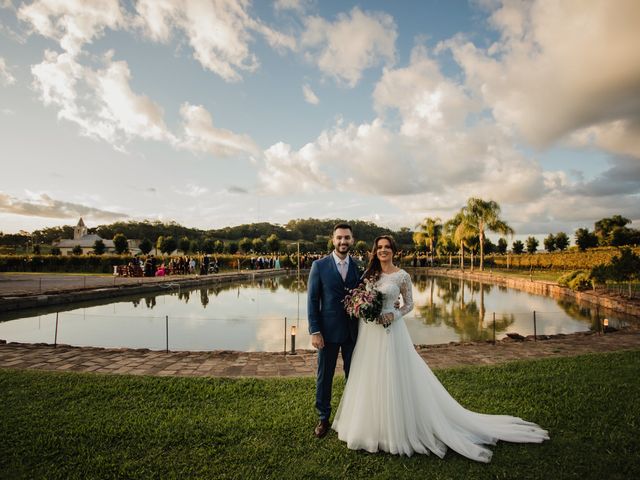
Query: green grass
point(548, 275)
point(65, 425)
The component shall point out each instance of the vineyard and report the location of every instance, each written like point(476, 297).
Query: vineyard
point(568, 260)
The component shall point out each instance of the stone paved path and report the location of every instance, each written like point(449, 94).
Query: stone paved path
point(265, 364)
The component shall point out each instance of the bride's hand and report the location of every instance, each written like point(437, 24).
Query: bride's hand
point(385, 319)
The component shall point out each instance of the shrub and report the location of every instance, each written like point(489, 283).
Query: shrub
point(576, 280)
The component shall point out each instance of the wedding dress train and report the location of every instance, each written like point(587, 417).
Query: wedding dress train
point(393, 402)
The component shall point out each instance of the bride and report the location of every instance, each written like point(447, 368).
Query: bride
point(393, 402)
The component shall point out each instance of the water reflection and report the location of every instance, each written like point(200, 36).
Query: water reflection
point(465, 316)
point(251, 316)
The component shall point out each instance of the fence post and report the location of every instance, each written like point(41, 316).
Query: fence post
point(535, 329)
point(55, 340)
point(167, 331)
point(284, 352)
point(494, 328)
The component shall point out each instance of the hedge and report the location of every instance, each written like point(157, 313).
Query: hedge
point(105, 263)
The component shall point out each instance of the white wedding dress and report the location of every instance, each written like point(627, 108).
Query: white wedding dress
point(393, 401)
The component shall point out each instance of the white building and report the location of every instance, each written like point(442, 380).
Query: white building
point(86, 241)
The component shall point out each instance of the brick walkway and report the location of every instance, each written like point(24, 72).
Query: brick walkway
point(264, 364)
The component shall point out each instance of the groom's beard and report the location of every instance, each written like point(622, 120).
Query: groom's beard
point(343, 248)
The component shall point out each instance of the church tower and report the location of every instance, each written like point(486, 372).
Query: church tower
point(79, 230)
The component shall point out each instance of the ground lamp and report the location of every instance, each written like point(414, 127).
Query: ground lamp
point(293, 339)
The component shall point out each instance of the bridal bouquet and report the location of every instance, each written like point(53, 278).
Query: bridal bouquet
point(364, 301)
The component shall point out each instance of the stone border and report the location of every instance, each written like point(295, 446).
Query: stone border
point(303, 363)
point(545, 288)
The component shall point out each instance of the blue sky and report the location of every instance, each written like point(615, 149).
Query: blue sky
point(216, 113)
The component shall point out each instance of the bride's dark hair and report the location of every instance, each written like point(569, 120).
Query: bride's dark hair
point(374, 269)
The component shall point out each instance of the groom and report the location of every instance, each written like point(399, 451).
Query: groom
point(331, 329)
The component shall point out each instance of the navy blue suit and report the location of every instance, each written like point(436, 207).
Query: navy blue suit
point(326, 314)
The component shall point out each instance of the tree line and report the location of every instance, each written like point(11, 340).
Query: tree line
point(465, 233)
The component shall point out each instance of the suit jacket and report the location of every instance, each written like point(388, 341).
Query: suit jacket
point(325, 292)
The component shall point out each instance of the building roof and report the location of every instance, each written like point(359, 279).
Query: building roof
point(81, 223)
point(85, 241)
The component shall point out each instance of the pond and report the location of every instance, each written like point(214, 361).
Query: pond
point(250, 316)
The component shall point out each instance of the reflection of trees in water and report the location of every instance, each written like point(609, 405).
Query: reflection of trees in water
point(585, 314)
point(446, 304)
point(293, 284)
point(204, 297)
point(273, 284)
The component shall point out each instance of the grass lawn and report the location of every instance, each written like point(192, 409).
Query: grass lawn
point(548, 275)
point(66, 425)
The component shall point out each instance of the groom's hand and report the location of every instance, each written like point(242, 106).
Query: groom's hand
point(317, 341)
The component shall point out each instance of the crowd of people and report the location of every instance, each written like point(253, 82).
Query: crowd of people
point(151, 266)
point(184, 265)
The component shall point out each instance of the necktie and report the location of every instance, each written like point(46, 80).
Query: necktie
point(343, 269)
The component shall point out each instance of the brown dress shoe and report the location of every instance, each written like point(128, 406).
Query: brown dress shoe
point(321, 429)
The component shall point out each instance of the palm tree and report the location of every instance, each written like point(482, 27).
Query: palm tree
point(484, 215)
point(462, 231)
point(429, 231)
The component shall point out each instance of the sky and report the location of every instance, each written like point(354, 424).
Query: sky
point(223, 112)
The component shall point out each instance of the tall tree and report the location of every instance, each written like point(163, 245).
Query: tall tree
point(532, 244)
point(120, 243)
point(159, 242)
point(605, 227)
point(550, 243)
point(169, 244)
point(586, 239)
point(484, 216)
point(562, 241)
point(99, 247)
point(208, 245)
point(462, 232)
point(518, 247)
point(145, 246)
point(429, 231)
point(273, 243)
point(245, 245)
point(258, 245)
point(184, 244)
point(502, 245)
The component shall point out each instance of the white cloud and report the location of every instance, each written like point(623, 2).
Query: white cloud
point(200, 135)
point(42, 205)
point(429, 103)
point(105, 107)
point(353, 43)
point(560, 67)
point(309, 95)
point(101, 102)
point(299, 6)
point(218, 32)
point(191, 190)
point(286, 171)
point(73, 22)
point(132, 114)
point(6, 78)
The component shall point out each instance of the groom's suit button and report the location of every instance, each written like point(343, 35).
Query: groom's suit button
point(321, 429)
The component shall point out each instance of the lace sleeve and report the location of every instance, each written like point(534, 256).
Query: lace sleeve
point(406, 290)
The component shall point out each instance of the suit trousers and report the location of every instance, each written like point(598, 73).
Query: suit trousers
point(327, 359)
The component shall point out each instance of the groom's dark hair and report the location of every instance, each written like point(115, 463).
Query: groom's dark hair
point(346, 226)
